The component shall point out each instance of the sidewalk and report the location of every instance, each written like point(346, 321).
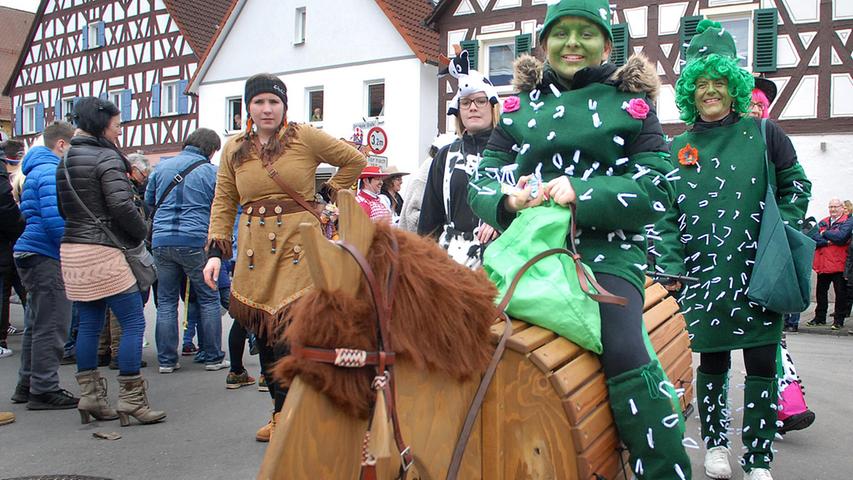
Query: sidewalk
point(808, 316)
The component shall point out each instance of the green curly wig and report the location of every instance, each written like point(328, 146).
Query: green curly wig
point(713, 67)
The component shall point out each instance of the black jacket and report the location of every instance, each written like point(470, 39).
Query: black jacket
point(11, 222)
point(433, 217)
point(99, 176)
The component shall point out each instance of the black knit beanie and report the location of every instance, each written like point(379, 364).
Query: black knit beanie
point(265, 83)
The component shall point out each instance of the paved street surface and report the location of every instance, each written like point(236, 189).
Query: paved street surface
point(209, 432)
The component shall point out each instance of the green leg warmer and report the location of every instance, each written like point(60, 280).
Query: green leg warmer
point(759, 421)
point(712, 394)
point(648, 425)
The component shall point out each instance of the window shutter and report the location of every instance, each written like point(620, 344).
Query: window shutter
point(126, 107)
point(39, 117)
point(102, 39)
point(85, 37)
point(523, 44)
point(19, 121)
point(619, 54)
point(766, 29)
point(155, 100)
point(57, 110)
point(473, 48)
point(687, 31)
point(183, 100)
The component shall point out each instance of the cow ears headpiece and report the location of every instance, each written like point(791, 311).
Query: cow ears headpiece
point(470, 81)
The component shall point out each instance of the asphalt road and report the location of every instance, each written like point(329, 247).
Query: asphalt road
point(209, 432)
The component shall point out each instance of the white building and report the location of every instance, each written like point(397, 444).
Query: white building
point(345, 64)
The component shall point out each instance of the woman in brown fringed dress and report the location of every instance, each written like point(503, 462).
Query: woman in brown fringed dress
point(269, 273)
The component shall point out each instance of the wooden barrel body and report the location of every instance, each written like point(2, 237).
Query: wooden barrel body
point(545, 416)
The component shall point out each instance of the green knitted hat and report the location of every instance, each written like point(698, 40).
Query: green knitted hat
point(596, 11)
point(710, 38)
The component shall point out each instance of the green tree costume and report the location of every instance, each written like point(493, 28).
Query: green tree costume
point(711, 232)
point(600, 131)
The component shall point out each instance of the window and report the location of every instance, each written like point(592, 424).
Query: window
point(299, 27)
point(115, 98)
point(740, 28)
point(376, 99)
point(498, 61)
point(30, 118)
point(315, 105)
point(169, 99)
point(94, 35)
point(234, 114)
point(68, 109)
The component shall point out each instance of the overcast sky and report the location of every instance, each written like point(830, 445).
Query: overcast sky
point(28, 5)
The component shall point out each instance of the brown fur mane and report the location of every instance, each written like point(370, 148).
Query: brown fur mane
point(441, 315)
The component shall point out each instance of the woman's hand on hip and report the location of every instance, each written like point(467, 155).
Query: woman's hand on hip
point(560, 190)
point(211, 272)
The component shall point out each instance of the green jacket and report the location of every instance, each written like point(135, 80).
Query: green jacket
point(617, 164)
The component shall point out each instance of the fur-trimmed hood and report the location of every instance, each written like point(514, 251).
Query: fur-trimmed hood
point(637, 75)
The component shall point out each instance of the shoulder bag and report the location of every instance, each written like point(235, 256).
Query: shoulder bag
point(139, 258)
point(174, 183)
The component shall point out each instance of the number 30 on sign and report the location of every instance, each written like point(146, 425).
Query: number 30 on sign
point(377, 140)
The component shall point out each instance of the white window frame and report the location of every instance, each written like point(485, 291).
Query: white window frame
point(300, 26)
point(115, 97)
point(229, 114)
point(485, 62)
point(744, 15)
point(93, 35)
point(164, 98)
point(67, 108)
point(367, 86)
point(308, 92)
point(28, 122)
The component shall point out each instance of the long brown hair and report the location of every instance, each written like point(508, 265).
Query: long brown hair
point(272, 150)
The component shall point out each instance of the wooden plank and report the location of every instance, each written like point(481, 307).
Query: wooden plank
point(660, 313)
point(592, 427)
point(598, 454)
point(669, 354)
point(666, 332)
point(584, 400)
point(679, 368)
point(687, 399)
point(654, 295)
point(493, 426)
point(574, 374)
point(648, 282)
point(554, 354)
point(498, 329)
point(530, 339)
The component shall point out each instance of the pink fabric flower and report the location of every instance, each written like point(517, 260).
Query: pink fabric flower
point(638, 108)
point(511, 104)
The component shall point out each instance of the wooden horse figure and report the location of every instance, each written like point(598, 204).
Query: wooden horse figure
point(394, 340)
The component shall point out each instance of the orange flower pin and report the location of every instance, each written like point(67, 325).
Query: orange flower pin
point(688, 156)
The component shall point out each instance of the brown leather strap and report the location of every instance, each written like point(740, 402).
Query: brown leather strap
point(273, 174)
point(339, 356)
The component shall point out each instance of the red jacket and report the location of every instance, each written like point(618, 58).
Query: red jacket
point(832, 240)
point(377, 212)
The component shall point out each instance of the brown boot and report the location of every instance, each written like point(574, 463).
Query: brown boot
point(265, 433)
point(6, 418)
point(93, 397)
point(133, 401)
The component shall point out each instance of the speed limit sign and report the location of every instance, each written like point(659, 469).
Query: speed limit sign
point(377, 140)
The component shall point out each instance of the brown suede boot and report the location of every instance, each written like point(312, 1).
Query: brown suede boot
point(133, 401)
point(265, 433)
point(93, 397)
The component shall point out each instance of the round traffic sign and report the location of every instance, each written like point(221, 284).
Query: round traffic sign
point(377, 140)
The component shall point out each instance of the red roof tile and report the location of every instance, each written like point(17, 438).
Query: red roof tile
point(13, 36)
point(198, 23)
point(408, 17)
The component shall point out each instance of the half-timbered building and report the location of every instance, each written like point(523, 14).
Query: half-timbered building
point(139, 54)
point(13, 34)
point(804, 46)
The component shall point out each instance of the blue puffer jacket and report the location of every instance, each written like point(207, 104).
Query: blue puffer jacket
point(183, 218)
point(38, 204)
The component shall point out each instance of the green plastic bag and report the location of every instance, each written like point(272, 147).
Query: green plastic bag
point(549, 294)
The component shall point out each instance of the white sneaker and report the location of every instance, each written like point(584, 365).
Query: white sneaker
point(212, 367)
point(717, 463)
point(758, 474)
point(5, 352)
point(171, 369)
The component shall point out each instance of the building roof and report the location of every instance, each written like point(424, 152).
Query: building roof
point(13, 37)
point(199, 25)
point(408, 17)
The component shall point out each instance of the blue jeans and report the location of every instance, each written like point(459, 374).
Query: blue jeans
point(70, 345)
point(172, 264)
point(128, 309)
point(792, 319)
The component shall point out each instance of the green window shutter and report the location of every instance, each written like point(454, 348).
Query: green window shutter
point(473, 47)
point(523, 44)
point(687, 31)
point(766, 30)
point(619, 54)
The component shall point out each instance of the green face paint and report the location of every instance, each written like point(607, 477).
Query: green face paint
point(575, 43)
point(712, 97)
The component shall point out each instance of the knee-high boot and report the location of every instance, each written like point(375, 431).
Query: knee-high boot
point(759, 421)
point(648, 424)
point(712, 397)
